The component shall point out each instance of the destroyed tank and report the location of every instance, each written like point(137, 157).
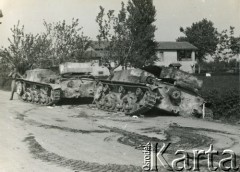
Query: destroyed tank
point(136, 91)
point(44, 86)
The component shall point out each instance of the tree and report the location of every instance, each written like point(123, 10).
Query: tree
point(21, 51)
point(66, 42)
point(140, 23)
point(204, 36)
point(115, 36)
point(59, 43)
point(129, 36)
point(226, 47)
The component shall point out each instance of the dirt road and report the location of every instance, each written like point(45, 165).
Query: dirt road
point(79, 138)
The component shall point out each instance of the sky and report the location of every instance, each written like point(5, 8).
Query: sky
point(171, 15)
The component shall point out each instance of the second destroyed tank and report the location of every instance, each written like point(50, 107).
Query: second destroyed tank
point(136, 91)
point(46, 87)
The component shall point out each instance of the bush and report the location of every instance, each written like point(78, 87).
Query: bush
point(5, 84)
point(225, 105)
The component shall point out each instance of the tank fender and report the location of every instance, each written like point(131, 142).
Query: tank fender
point(55, 86)
point(152, 87)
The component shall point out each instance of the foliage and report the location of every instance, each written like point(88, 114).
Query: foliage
point(217, 66)
point(226, 47)
point(140, 23)
point(129, 36)
point(22, 49)
point(224, 98)
point(225, 105)
point(64, 42)
point(114, 36)
point(59, 43)
point(203, 35)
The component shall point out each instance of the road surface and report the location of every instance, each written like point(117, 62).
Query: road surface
point(69, 138)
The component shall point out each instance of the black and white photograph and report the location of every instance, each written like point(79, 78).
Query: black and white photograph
point(119, 85)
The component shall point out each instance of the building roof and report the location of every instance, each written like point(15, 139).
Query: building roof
point(99, 46)
point(175, 46)
point(161, 45)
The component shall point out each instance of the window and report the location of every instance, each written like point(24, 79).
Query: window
point(184, 55)
point(160, 56)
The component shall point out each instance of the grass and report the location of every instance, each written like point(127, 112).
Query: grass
point(222, 92)
point(221, 83)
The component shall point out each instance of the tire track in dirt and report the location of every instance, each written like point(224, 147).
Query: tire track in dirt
point(22, 116)
point(187, 139)
point(66, 129)
point(40, 153)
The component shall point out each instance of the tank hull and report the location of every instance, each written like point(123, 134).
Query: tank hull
point(43, 86)
point(137, 91)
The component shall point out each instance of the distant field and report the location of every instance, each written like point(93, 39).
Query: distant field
point(220, 82)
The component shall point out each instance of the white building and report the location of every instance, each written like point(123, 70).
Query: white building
point(177, 54)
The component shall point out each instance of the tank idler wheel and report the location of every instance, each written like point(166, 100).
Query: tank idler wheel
point(19, 89)
point(29, 96)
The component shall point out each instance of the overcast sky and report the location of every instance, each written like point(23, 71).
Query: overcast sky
point(171, 14)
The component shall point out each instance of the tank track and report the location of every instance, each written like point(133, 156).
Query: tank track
point(42, 94)
point(132, 99)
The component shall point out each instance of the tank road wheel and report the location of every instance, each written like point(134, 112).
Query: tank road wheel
point(28, 95)
point(98, 95)
point(110, 102)
point(139, 93)
point(104, 97)
point(129, 103)
point(43, 95)
point(100, 103)
point(144, 100)
point(122, 91)
point(36, 96)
